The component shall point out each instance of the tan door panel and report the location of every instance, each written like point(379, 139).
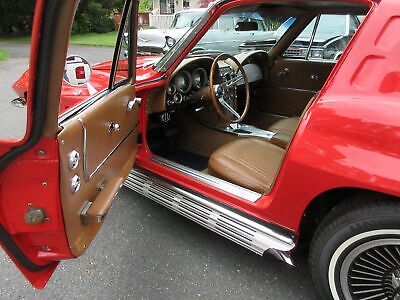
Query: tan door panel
point(291, 84)
point(104, 135)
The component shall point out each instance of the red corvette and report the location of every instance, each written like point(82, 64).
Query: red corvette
point(270, 151)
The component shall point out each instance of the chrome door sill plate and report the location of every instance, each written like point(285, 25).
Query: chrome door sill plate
point(255, 235)
point(223, 185)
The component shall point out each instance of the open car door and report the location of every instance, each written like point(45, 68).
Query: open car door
point(58, 182)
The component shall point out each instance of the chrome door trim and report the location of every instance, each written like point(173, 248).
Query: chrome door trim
point(220, 184)
point(254, 234)
point(86, 173)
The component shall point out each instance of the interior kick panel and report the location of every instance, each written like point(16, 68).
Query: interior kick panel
point(102, 139)
point(291, 84)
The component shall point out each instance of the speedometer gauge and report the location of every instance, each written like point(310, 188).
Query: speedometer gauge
point(199, 78)
point(183, 82)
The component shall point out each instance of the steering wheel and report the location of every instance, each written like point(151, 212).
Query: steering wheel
point(223, 88)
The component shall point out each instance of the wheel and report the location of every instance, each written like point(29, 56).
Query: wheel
point(355, 252)
point(223, 88)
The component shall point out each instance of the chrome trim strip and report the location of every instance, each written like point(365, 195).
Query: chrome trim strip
point(223, 185)
point(162, 77)
point(253, 234)
point(86, 173)
point(314, 32)
point(296, 89)
point(84, 149)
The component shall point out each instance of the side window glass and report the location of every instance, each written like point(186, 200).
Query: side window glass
point(332, 35)
point(91, 51)
point(15, 102)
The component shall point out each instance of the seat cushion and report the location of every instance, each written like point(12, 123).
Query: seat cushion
point(285, 126)
point(251, 163)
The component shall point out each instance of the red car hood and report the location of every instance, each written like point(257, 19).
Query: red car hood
point(71, 95)
point(141, 62)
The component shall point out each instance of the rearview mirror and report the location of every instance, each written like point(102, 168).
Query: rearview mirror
point(246, 26)
point(77, 70)
point(170, 41)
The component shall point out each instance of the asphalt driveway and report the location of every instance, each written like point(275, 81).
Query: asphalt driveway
point(145, 251)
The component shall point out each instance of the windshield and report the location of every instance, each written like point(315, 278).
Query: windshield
point(224, 36)
point(183, 20)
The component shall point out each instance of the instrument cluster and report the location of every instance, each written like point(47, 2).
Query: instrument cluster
point(184, 85)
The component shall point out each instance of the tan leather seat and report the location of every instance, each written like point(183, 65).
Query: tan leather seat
point(251, 163)
point(285, 126)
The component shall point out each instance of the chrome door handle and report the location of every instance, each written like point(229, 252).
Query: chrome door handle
point(132, 103)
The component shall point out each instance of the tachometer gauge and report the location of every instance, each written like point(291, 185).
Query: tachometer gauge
point(183, 82)
point(199, 78)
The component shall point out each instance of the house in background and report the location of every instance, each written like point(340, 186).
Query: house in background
point(164, 10)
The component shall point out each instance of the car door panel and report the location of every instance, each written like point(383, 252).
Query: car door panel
point(106, 157)
point(291, 85)
point(40, 216)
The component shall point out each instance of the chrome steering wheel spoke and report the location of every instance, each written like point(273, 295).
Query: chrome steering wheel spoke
point(224, 88)
point(228, 107)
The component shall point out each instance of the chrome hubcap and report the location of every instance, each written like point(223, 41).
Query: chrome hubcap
point(396, 284)
point(372, 271)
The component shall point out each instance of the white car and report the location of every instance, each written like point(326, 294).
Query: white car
point(155, 40)
point(160, 40)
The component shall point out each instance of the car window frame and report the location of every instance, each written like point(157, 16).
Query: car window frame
point(111, 85)
point(127, 12)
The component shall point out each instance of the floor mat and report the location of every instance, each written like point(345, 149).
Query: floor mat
point(187, 159)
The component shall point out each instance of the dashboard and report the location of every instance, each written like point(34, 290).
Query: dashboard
point(185, 84)
point(190, 81)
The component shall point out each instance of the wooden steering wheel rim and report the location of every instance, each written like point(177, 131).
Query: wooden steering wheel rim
point(221, 112)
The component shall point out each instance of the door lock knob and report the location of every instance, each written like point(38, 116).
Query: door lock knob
point(114, 127)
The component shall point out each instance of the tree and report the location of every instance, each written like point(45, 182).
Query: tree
point(145, 6)
point(96, 15)
point(17, 17)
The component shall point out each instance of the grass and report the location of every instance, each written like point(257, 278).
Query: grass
point(89, 39)
point(95, 39)
point(4, 55)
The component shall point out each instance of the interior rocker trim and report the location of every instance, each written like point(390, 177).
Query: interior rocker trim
point(258, 236)
point(223, 185)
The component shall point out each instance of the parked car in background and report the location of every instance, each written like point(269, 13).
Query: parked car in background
point(328, 42)
point(160, 40)
point(223, 33)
